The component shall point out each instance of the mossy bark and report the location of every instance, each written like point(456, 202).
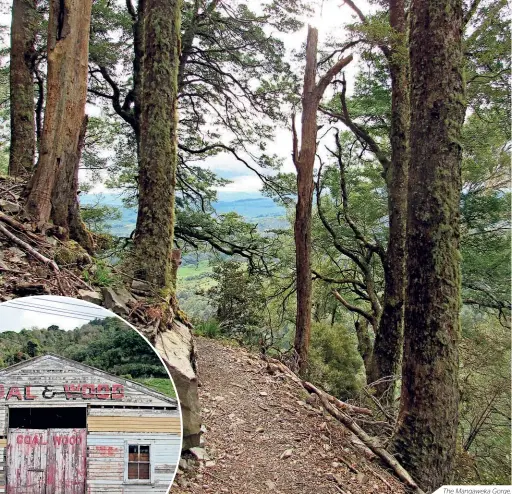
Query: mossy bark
point(364, 343)
point(427, 423)
point(68, 52)
point(23, 34)
point(153, 239)
point(387, 349)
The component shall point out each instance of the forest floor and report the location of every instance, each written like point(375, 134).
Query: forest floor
point(266, 434)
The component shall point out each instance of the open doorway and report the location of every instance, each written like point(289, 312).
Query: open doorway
point(48, 418)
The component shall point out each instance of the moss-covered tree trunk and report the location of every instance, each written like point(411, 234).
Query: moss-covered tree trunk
point(68, 53)
point(387, 349)
point(23, 34)
point(427, 424)
point(153, 240)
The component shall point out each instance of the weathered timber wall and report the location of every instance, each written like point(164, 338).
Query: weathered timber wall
point(106, 462)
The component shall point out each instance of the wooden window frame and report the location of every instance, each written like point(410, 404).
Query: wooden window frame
point(127, 445)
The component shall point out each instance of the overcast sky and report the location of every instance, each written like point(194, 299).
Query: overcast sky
point(46, 310)
point(330, 17)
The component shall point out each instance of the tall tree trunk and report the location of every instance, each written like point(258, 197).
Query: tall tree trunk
point(364, 344)
point(65, 206)
point(153, 238)
point(304, 163)
point(387, 349)
point(68, 53)
point(427, 423)
point(23, 34)
point(138, 56)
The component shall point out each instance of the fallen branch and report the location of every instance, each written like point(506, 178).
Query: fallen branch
point(348, 464)
point(79, 280)
point(368, 441)
point(333, 405)
point(29, 249)
point(338, 403)
point(19, 226)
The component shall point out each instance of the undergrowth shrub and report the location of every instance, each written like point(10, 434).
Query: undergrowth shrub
point(100, 274)
point(334, 362)
point(209, 329)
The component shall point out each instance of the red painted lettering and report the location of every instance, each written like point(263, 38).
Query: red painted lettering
point(117, 392)
point(2, 391)
point(88, 391)
point(103, 392)
point(29, 396)
point(14, 392)
point(57, 440)
point(72, 391)
point(19, 439)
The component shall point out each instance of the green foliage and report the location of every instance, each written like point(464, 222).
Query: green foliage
point(334, 362)
point(484, 414)
point(100, 274)
point(106, 344)
point(159, 384)
point(239, 302)
point(99, 217)
point(210, 329)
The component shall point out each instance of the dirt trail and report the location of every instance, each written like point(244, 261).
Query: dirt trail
point(266, 434)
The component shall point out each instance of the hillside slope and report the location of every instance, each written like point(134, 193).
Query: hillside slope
point(264, 434)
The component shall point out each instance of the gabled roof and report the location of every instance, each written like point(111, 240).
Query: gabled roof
point(7, 371)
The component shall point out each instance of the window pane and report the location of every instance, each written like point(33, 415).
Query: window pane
point(133, 471)
point(144, 453)
point(143, 470)
point(133, 454)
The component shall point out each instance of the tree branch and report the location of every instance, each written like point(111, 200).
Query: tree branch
point(354, 308)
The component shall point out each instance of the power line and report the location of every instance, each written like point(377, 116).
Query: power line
point(85, 306)
point(11, 306)
point(56, 311)
point(45, 307)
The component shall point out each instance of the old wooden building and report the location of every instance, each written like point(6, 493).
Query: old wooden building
point(66, 428)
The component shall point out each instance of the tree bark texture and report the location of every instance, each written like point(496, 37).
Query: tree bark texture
point(153, 240)
point(23, 34)
point(65, 206)
point(387, 349)
point(364, 344)
point(68, 53)
point(427, 422)
point(304, 163)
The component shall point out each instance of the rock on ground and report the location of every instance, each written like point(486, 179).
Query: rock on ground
point(177, 350)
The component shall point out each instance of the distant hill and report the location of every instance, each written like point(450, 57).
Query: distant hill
point(257, 209)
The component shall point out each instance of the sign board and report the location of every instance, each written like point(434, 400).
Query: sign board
point(66, 391)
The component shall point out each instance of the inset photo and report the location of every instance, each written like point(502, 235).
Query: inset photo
point(86, 404)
